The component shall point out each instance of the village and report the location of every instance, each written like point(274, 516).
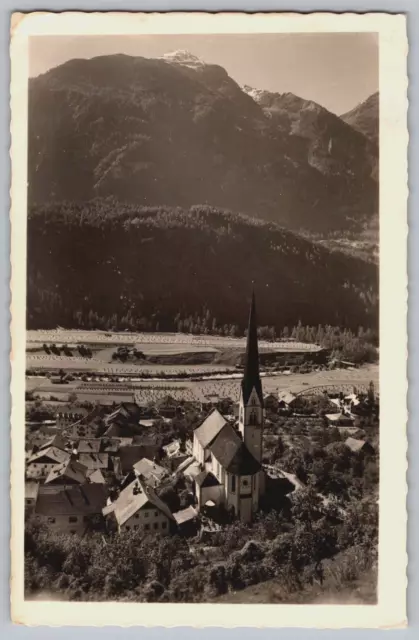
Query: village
point(188, 467)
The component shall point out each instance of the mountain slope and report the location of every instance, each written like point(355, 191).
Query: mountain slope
point(365, 118)
point(154, 265)
point(333, 147)
point(179, 132)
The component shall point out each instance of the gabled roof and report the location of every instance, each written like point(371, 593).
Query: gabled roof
point(134, 497)
point(95, 476)
point(89, 445)
point(49, 455)
point(185, 515)
point(356, 445)
point(70, 470)
point(152, 473)
point(56, 441)
point(232, 454)
point(79, 500)
point(210, 428)
point(287, 397)
point(129, 455)
point(94, 460)
point(251, 378)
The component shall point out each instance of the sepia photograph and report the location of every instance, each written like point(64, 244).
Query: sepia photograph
point(201, 312)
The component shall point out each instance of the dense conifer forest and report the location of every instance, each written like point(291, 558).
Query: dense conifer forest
point(107, 265)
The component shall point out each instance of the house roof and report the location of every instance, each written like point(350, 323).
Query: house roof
point(95, 476)
point(185, 515)
point(49, 455)
point(206, 479)
point(131, 454)
point(94, 460)
point(287, 397)
point(356, 445)
point(210, 428)
point(134, 497)
point(79, 500)
point(233, 455)
point(89, 445)
point(152, 473)
point(337, 417)
point(70, 470)
point(56, 441)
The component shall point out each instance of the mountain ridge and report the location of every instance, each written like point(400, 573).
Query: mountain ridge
point(155, 132)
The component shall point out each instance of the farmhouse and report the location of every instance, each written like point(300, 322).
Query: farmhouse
point(138, 506)
point(71, 510)
point(42, 462)
point(230, 459)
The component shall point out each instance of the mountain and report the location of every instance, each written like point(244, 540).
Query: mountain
point(176, 131)
point(333, 147)
point(103, 264)
point(365, 118)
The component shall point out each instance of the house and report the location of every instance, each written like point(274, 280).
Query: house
point(66, 418)
point(339, 419)
point(68, 473)
point(187, 521)
point(40, 463)
point(286, 400)
point(89, 445)
point(233, 458)
point(72, 510)
point(168, 407)
point(129, 455)
point(172, 449)
point(152, 473)
point(31, 493)
point(138, 507)
point(95, 476)
point(56, 441)
point(94, 460)
point(83, 430)
point(359, 445)
point(112, 445)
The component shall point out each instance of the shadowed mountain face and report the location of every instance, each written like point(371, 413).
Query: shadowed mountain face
point(365, 118)
point(175, 131)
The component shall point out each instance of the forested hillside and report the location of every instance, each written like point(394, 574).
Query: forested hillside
point(102, 264)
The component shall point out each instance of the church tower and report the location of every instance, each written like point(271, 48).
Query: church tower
point(251, 397)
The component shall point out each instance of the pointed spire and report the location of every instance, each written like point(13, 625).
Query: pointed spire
point(251, 378)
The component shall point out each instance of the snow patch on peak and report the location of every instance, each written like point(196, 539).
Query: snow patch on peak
point(183, 57)
point(256, 94)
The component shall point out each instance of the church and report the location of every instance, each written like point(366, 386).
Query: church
point(230, 457)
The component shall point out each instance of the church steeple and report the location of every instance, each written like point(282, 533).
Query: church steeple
point(251, 378)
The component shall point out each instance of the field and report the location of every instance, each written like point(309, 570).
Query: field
point(148, 390)
point(156, 342)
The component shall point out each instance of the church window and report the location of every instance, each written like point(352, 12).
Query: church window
point(253, 418)
point(245, 483)
point(233, 484)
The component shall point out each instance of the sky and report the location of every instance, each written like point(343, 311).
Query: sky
point(337, 70)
